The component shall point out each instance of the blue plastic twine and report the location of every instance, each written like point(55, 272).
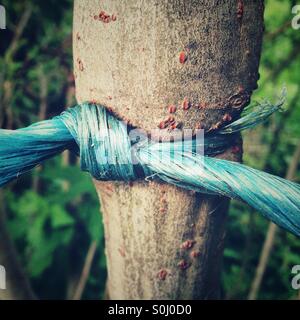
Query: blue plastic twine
point(107, 152)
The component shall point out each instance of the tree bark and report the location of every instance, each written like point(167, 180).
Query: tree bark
point(137, 58)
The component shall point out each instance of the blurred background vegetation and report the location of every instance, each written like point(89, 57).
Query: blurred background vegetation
point(52, 214)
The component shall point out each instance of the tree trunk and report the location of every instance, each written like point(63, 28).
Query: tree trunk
point(137, 58)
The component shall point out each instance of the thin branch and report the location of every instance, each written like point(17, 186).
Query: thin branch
point(18, 33)
point(8, 58)
point(18, 286)
point(272, 229)
point(279, 128)
point(272, 35)
point(271, 234)
point(276, 133)
point(85, 271)
point(263, 260)
point(284, 64)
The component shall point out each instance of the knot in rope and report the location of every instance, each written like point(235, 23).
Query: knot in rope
point(109, 153)
point(104, 145)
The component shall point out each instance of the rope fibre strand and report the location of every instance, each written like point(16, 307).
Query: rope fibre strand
point(107, 152)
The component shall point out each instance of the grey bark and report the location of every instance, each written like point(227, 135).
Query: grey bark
point(163, 242)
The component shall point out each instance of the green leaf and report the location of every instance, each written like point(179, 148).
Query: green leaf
point(60, 218)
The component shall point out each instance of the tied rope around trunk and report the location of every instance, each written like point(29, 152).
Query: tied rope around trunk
point(107, 152)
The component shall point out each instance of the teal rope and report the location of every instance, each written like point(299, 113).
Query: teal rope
point(107, 152)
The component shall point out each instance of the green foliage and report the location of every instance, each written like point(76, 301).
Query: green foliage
point(64, 217)
point(52, 212)
point(272, 151)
